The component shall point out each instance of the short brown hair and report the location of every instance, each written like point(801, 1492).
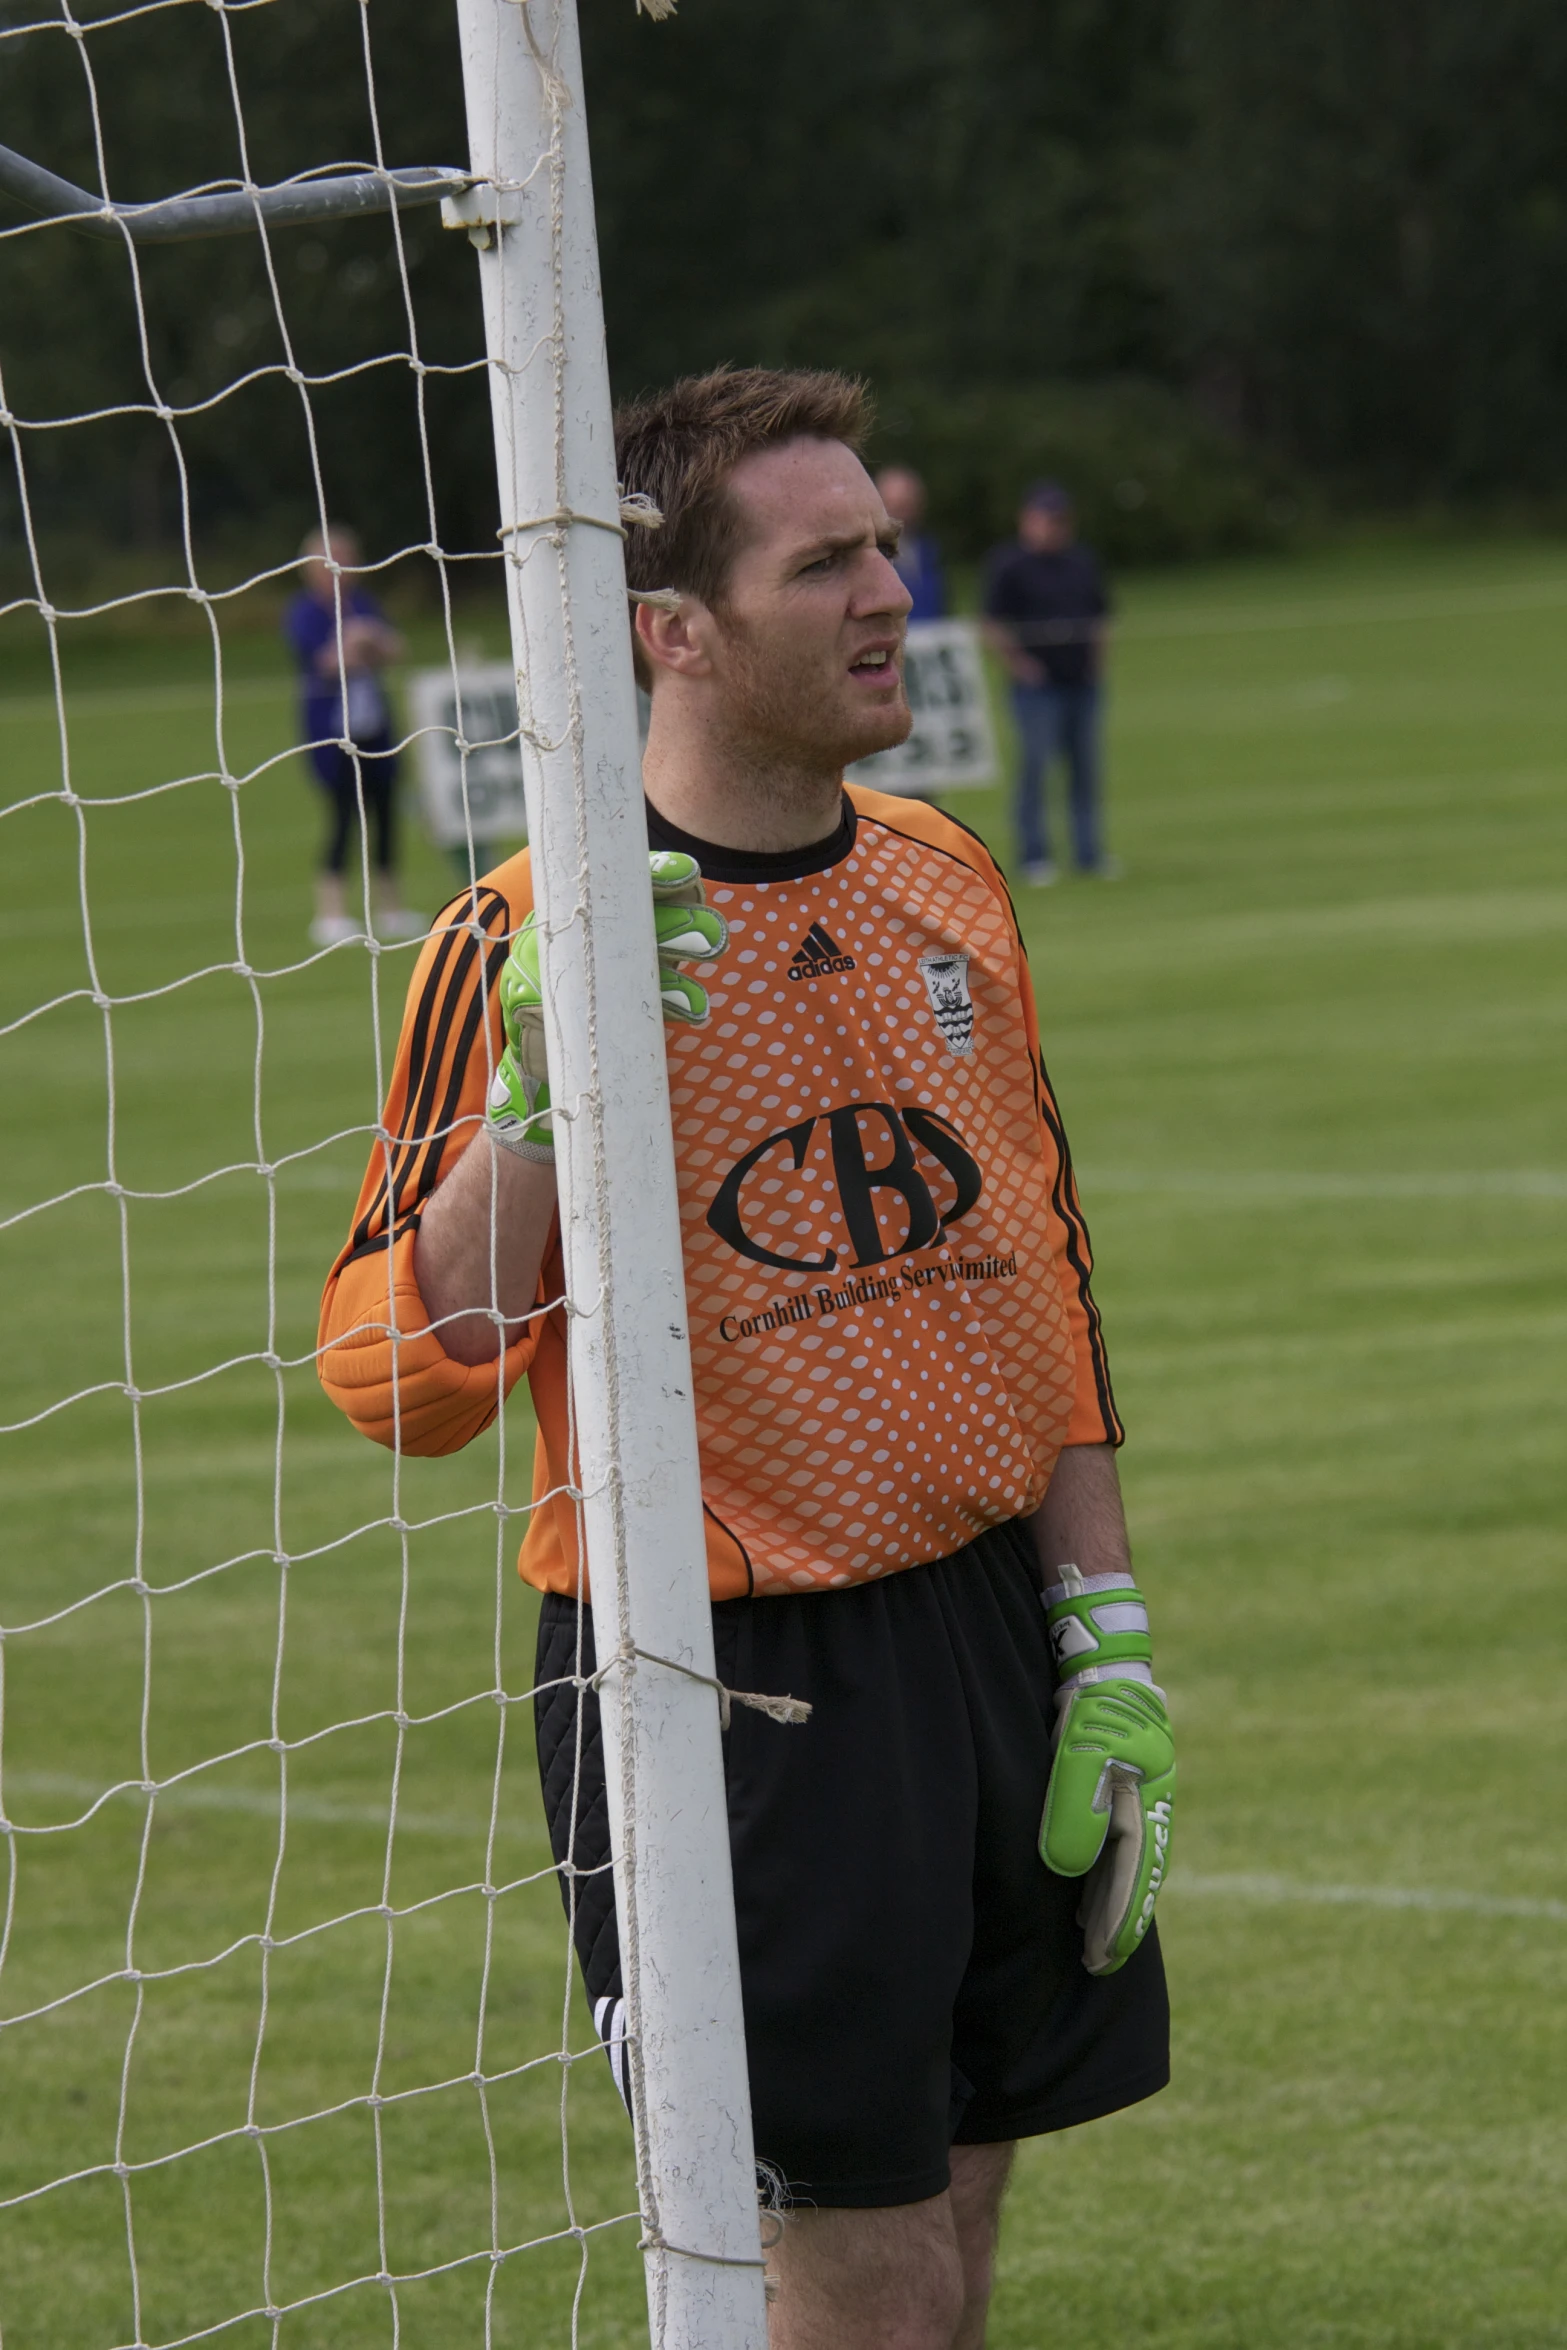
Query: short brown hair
point(679, 447)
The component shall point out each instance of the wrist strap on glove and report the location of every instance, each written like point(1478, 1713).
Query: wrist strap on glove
point(1098, 1628)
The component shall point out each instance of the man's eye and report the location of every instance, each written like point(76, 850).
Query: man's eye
point(822, 563)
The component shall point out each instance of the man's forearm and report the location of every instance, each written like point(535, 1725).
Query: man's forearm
point(461, 1270)
point(1081, 1522)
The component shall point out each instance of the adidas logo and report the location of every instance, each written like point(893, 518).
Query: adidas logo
point(817, 954)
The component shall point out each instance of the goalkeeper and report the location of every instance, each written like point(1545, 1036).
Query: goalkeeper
point(945, 1881)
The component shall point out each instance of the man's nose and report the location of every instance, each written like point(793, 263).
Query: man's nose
point(884, 590)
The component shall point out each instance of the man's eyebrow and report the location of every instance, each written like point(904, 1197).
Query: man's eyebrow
point(838, 542)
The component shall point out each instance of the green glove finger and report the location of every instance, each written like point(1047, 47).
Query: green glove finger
point(521, 990)
point(675, 877)
point(1108, 1813)
point(685, 930)
point(689, 934)
point(683, 999)
point(518, 1107)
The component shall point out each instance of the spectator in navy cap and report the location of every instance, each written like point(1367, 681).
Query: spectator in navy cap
point(1045, 617)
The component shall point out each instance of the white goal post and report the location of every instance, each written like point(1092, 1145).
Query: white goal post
point(530, 211)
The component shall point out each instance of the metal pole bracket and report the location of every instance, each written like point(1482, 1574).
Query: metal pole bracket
point(482, 209)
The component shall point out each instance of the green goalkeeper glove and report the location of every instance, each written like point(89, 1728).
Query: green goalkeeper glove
point(1112, 1784)
point(685, 930)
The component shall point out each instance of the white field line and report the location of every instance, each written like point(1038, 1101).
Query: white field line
point(259, 1804)
point(1347, 611)
point(1446, 920)
point(1287, 1185)
point(1430, 1897)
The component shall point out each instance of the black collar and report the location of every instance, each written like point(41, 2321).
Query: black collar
point(720, 864)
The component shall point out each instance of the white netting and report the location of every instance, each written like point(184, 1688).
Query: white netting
point(288, 2042)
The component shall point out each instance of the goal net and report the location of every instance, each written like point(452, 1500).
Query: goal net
point(291, 2049)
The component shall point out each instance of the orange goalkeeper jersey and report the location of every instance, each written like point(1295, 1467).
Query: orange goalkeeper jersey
point(892, 1333)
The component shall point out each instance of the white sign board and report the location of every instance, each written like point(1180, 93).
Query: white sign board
point(953, 745)
point(487, 722)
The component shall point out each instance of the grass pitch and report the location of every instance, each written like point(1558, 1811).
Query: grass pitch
point(1307, 1052)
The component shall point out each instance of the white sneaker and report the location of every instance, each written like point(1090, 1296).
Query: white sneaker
point(1040, 874)
point(334, 930)
point(402, 923)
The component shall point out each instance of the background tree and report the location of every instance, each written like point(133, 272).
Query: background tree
point(1362, 229)
point(1055, 233)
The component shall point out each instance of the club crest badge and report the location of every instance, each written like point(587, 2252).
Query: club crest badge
point(946, 983)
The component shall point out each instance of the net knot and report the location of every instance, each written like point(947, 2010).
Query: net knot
point(638, 509)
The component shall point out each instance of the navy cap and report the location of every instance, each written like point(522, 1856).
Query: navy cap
point(1049, 496)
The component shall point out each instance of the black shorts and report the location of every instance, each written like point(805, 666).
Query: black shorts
point(911, 1972)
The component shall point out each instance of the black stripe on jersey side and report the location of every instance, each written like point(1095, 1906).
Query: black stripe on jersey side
point(393, 1155)
point(442, 991)
point(447, 978)
point(935, 849)
point(1078, 1247)
point(1079, 1253)
point(968, 831)
point(467, 1037)
point(708, 1511)
point(914, 840)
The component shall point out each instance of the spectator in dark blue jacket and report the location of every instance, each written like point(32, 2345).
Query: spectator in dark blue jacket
point(342, 641)
point(1045, 617)
point(918, 560)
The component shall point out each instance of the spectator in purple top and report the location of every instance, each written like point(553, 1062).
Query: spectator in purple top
point(918, 560)
point(1046, 616)
point(342, 641)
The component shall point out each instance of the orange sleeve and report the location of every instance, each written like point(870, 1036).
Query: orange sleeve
point(1095, 1419)
point(379, 1359)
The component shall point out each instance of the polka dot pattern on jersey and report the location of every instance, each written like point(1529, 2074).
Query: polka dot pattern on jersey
point(864, 1404)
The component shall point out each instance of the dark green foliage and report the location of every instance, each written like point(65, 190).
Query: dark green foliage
point(1338, 233)
point(1153, 480)
point(907, 188)
point(68, 313)
point(1364, 234)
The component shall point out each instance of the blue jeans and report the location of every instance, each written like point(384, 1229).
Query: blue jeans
point(1054, 719)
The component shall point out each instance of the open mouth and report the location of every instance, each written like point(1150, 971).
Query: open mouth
point(880, 665)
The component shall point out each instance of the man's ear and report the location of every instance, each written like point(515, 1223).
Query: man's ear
point(676, 640)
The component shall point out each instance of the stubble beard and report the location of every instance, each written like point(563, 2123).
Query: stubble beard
point(785, 735)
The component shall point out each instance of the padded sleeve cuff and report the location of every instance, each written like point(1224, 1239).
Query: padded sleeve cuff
point(384, 1366)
